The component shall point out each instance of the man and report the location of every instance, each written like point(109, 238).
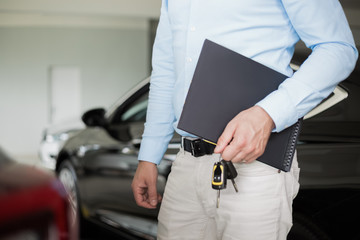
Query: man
point(265, 31)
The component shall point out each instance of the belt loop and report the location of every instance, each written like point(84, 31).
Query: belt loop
point(192, 148)
point(183, 144)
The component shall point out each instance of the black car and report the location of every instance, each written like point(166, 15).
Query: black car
point(97, 166)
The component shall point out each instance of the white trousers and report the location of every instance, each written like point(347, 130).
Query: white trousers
point(261, 210)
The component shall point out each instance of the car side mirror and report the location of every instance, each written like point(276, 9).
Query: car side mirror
point(94, 118)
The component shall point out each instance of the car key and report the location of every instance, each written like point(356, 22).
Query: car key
point(219, 177)
point(231, 173)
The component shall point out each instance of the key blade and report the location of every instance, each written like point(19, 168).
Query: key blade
point(234, 184)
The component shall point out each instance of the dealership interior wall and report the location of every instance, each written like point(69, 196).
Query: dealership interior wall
point(108, 40)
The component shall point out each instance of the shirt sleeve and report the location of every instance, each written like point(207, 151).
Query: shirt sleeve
point(322, 26)
point(160, 114)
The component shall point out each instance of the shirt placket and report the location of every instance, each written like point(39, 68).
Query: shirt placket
point(190, 58)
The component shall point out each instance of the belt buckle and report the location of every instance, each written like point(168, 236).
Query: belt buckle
point(196, 148)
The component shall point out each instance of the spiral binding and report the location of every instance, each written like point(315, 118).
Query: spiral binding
point(291, 146)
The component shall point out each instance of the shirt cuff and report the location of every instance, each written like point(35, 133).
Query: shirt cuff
point(152, 149)
point(280, 108)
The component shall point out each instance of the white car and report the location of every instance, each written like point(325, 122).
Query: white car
point(53, 139)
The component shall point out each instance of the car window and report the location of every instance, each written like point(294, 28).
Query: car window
point(136, 112)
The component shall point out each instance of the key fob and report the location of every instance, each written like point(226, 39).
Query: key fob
point(231, 170)
point(219, 176)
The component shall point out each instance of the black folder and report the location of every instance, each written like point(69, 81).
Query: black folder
point(226, 83)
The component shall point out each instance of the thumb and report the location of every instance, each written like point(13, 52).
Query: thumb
point(153, 195)
point(224, 139)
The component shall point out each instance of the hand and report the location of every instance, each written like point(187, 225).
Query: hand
point(245, 136)
point(144, 185)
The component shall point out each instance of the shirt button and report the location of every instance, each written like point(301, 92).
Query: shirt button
point(192, 29)
point(189, 59)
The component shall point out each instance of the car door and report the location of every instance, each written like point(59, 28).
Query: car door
point(329, 146)
point(110, 169)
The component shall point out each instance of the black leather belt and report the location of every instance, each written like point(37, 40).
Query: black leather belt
point(197, 147)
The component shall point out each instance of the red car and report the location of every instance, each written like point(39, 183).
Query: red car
point(33, 204)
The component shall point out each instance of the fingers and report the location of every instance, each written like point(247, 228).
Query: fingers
point(233, 151)
point(246, 136)
point(225, 138)
point(144, 185)
point(141, 197)
point(152, 195)
point(246, 156)
point(244, 150)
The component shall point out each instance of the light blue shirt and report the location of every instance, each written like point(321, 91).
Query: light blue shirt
point(264, 30)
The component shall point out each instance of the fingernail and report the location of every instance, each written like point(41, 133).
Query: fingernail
point(153, 203)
